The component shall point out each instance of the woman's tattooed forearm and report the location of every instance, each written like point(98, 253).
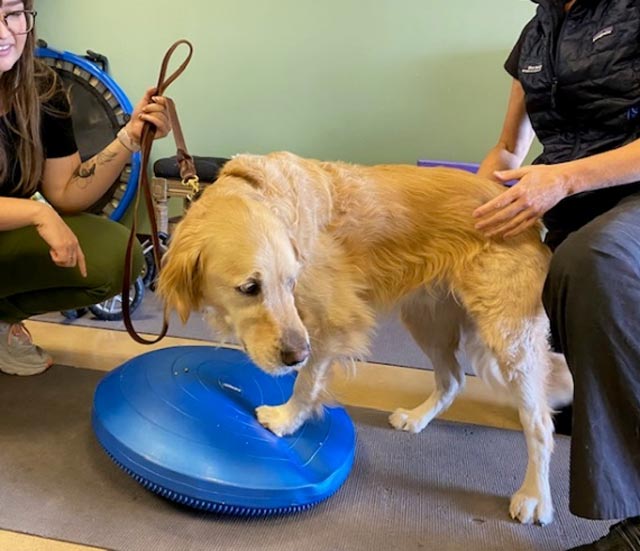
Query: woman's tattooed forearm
point(84, 174)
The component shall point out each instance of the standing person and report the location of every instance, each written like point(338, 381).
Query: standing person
point(576, 71)
point(52, 257)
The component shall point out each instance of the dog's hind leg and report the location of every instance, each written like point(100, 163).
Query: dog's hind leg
point(532, 502)
point(434, 323)
point(519, 345)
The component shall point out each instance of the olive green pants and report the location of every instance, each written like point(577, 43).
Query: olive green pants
point(30, 283)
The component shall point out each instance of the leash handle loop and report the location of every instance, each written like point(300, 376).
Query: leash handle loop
point(187, 173)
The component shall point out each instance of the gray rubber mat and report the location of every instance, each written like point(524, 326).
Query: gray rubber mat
point(445, 489)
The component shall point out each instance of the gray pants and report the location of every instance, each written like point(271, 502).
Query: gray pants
point(592, 297)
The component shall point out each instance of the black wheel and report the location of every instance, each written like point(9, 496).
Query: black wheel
point(149, 269)
point(111, 309)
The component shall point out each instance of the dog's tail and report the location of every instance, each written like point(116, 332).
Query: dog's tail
point(559, 382)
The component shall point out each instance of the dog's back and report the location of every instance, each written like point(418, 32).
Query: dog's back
point(412, 226)
point(404, 226)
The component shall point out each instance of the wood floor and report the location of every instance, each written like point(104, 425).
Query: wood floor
point(375, 386)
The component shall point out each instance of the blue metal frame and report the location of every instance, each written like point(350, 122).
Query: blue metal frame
point(126, 105)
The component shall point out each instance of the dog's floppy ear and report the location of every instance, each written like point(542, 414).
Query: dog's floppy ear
point(180, 282)
point(248, 167)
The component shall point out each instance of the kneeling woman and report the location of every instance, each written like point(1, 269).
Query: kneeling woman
point(52, 257)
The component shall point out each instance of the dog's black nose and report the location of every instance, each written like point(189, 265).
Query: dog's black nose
point(294, 356)
point(294, 348)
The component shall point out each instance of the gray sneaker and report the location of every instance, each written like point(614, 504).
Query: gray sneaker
point(18, 354)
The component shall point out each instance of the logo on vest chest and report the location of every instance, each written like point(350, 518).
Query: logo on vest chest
point(532, 68)
point(602, 33)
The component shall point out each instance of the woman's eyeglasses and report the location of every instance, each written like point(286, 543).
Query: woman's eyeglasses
point(19, 22)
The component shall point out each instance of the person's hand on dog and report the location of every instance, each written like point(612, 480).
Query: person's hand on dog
point(151, 109)
point(538, 188)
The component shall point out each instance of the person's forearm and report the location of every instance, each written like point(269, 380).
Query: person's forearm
point(92, 178)
point(19, 213)
point(515, 138)
point(498, 158)
point(616, 167)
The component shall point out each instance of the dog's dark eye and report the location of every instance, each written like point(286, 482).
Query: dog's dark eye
point(291, 283)
point(250, 288)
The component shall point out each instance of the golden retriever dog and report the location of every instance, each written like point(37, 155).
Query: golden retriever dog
point(295, 257)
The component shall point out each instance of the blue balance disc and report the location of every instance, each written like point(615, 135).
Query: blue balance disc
point(182, 422)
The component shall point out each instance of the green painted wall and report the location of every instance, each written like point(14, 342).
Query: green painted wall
point(361, 81)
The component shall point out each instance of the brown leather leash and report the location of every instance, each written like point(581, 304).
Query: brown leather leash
point(187, 174)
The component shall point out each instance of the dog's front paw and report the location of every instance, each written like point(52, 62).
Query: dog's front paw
point(529, 508)
point(408, 420)
point(280, 420)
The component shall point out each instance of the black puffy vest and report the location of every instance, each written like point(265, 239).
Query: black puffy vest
point(581, 76)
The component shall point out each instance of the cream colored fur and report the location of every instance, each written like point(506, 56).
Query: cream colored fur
point(295, 257)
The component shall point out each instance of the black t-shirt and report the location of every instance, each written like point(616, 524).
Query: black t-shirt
point(58, 140)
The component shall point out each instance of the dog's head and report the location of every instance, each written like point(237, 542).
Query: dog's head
point(233, 256)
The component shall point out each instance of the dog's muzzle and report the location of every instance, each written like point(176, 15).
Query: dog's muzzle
point(294, 349)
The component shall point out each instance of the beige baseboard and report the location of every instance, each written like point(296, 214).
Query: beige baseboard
point(376, 386)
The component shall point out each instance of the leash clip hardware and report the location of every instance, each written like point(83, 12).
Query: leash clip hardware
point(193, 183)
